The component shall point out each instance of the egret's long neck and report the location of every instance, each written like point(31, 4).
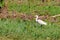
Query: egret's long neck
point(36, 18)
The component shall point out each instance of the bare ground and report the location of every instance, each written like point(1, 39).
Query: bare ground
point(4, 13)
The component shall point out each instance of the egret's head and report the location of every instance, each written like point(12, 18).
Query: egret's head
point(36, 16)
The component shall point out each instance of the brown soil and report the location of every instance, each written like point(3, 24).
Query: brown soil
point(4, 13)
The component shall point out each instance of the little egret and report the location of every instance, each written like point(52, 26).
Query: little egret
point(40, 21)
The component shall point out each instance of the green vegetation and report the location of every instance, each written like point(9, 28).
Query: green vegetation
point(31, 7)
point(18, 29)
point(28, 29)
point(1, 3)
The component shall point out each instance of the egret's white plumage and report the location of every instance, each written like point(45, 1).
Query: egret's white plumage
point(40, 21)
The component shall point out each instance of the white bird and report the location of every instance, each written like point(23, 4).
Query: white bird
point(40, 21)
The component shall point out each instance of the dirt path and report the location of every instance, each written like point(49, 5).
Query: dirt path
point(6, 14)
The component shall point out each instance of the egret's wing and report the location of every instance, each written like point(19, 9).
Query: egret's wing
point(42, 22)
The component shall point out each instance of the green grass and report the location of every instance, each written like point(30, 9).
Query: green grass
point(24, 30)
point(31, 7)
point(1, 3)
point(19, 29)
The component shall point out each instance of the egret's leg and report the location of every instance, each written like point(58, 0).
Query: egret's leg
point(41, 25)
